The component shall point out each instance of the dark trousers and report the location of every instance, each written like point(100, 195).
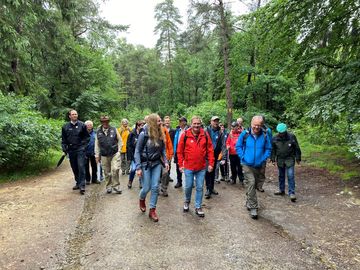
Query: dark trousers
point(210, 180)
point(77, 162)
point(224, 169)
point(93, 176)
point(178, 174)
point(236, 168)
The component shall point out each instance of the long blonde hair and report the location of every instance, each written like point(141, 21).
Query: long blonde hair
point(155, 131)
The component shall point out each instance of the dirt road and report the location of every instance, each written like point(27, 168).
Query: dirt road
point(46, 225)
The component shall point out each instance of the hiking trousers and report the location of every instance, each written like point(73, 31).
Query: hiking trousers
point(252, 177)
point(111, 167)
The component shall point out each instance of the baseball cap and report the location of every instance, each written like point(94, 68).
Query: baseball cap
point(182, 118)
point(281, 128)
point(215, 118)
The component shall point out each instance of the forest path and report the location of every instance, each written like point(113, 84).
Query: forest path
point(46, 225)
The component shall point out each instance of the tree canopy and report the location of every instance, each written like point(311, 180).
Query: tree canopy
point(297, 62)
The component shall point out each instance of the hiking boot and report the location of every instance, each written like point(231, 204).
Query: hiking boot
point(207, 194)
point(76, 187)
point(214, 192)
point(88, 182)
point(279, 193)
point(260, 189)
point(253, 213)
point(129, 185)
point(82, 191)
point(178, 185)
point(199, 212)
point(142, 205)
point(153, 215)
point(117, 190)
point(293, 197)
point(186, 207)
point(233, 182)
point(96, 182)
point(109, 190)
point(164, 193)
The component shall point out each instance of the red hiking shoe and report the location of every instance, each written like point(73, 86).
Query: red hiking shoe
point(142, 205)
point(153, 215)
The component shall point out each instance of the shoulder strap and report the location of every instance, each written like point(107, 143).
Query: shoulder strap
point(247, 134)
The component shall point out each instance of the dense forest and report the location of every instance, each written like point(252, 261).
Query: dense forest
point(292, 61)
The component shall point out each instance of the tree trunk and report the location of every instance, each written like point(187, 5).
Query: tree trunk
point(225, 51)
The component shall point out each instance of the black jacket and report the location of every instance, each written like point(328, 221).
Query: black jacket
point(74, 137)
point(131, 144)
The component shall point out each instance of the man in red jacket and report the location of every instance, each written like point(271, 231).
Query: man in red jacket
point(195, 154)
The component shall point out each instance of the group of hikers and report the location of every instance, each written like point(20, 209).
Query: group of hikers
point(199, 152)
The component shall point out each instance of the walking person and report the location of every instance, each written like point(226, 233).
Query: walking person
point(268, 133)
point(235, 165)
point(149, 156)
point(218, 142)
point(285, 151)
point(90, 156)
point(179, 131)
point(167, 125)
point(74, 139)
point(130, 150)
point(107, 145)
point(253, 148)
point(196, 156)
point(124, 132)
point(165, 174)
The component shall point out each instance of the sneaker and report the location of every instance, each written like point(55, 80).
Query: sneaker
point(117, 190)
point(233, 182)
point(82, 191)
point(253, 213)
point(199, 212)
point(76, 187)
point(123, 172)
point(217, 181)
point(186, 207)
point(207, 194)
point(293, 197)
point(88, 182)
point(109, 190)
point(96, 182)
point(129, 185)
point(171, 180)
point(280, 193)
point(214, 192)
point(222, 179)
point(178, 185)
point(260, 189)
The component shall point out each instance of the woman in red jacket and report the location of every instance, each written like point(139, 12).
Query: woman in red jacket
point(195, 154)
point(236, 168)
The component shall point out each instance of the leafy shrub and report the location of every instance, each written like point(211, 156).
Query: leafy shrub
point(24, 133)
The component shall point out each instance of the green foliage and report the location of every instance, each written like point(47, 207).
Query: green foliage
point(333, 157)
point(24, 133)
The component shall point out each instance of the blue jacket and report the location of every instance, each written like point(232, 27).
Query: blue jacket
point(90, 148)
point(253, 151)
point(176, 137)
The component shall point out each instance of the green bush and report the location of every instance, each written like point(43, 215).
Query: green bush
point(24, 133)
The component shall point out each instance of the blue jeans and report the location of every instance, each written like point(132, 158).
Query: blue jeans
point(199, 184)
point(290, 176)
point(77, 162)
point(150, 179)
